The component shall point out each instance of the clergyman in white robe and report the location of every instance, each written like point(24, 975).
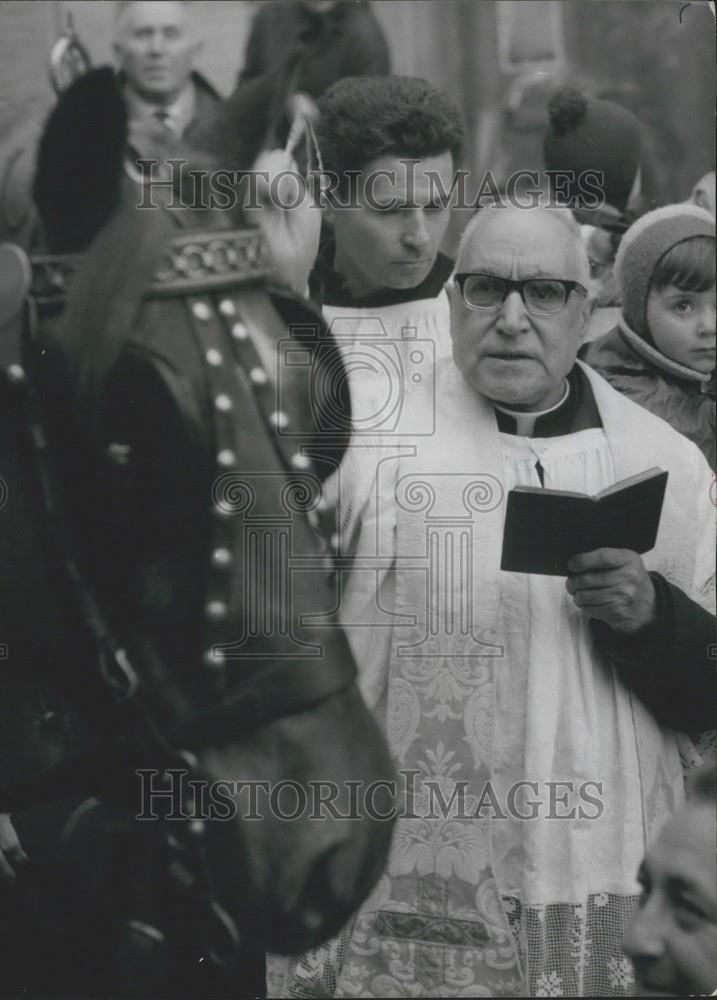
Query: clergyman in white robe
point(536, 766)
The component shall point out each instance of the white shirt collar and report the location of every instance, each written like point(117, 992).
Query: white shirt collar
point(178, 114)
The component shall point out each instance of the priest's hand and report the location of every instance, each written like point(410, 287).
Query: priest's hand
point(614, 586)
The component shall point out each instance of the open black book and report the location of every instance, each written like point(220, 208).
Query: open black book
point(544, 528)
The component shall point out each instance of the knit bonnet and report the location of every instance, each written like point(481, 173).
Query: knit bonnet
point(643, 246)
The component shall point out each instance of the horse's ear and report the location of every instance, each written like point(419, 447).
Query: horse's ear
point(253, 119)
point(80, 161)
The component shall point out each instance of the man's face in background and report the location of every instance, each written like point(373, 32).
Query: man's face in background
point(155, 49)
point(392, 237)
point(672, 939)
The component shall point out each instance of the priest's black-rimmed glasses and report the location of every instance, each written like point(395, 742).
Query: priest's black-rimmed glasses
point(541, 296)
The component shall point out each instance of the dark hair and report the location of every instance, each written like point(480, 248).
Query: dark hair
point(364, 117)
point(689, 266)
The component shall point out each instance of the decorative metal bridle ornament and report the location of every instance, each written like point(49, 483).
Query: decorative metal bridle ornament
point(69, 59)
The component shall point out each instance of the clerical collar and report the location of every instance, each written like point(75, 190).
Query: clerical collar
point(576, 411)
point(525, 422)
point(329, 289)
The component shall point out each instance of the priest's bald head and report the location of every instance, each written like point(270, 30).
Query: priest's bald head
point(519, 304)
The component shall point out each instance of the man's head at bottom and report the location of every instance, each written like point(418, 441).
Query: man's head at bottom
point(393, 144)
point(519, 304)
point(672, 939)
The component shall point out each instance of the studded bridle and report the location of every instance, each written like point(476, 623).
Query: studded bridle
point(208, 270)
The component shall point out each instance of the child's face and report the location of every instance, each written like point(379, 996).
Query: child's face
point(682, 325)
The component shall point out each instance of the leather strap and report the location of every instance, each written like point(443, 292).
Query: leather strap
point(272, 693)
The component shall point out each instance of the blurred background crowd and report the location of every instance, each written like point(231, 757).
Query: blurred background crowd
point(499, 60)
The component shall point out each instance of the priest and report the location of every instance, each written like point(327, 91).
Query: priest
point(536, 720)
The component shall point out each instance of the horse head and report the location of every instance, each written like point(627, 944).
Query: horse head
point(173, 378)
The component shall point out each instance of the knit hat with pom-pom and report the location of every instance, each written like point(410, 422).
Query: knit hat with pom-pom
point(588, 134)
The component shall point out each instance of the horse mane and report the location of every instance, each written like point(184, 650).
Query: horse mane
point(106, 294)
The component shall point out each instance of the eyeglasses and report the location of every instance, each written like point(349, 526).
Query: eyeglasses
point(542, 296)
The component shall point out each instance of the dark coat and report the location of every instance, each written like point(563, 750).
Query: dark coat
point(206, 100)
point(638, 370)
point(347, 41)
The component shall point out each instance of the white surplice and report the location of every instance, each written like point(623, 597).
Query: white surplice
point(389, 353)
point(484, 680)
